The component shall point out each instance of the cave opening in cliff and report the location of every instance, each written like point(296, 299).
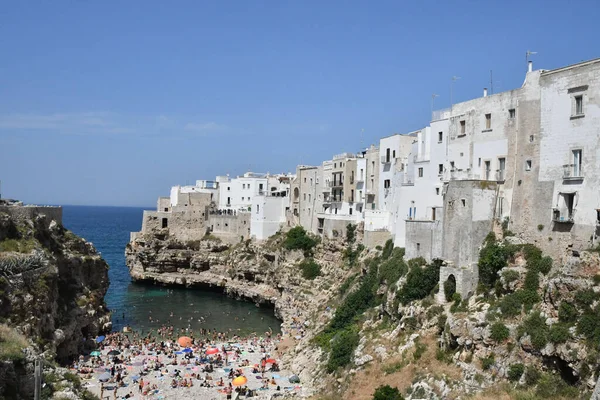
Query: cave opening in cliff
point(566, 372)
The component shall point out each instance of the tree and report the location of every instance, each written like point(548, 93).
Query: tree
point(387, 393)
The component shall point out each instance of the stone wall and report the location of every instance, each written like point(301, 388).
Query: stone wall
point(468, 218)
point(184, 225)
point(373, 239)
point(24, 213)
point(466, 278)
point(424, 239)
point(231, 228)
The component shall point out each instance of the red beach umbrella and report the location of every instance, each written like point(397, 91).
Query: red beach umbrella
point(271, 361)
point(212, 350)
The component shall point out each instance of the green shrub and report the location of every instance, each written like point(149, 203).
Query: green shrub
point(544, 265)
point(310, 269)
point(588, 325)
point(416, 262)
point(532, 376)
point(393, 268)
point(510, 305)
point(387, 249)
point(551, 386)
point(449, 288)
point(420, 282)
point(540, 227)
point(515, 372)
point(297, 239)
point(567, 312)
point(499, 332)
point(342, 349)
point(492, 258)
point(387, 393)
point(532, 280)
point(487, 362)
point(347, 284)
point(531, 252)
point(535, 326)
point(510, 275)
point(22, 245)
point(350, 233)
point(378, 247)
point(584, 298)
point(559, 333)
point(420, 349)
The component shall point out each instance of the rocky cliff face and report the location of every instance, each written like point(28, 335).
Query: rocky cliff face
point(52, 287)
point(524, 329)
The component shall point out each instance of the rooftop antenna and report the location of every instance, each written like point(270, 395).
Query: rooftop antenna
point(454, 79)
point(433, 96)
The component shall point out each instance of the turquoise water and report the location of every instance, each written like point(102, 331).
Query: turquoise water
point(145, 307)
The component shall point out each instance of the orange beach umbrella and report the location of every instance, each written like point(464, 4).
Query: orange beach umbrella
point(271, 361)
point(184, 341)
point(239, 381)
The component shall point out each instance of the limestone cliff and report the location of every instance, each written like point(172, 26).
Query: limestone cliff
point(52, 287)
point(370, 318)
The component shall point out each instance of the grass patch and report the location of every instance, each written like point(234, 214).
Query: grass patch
point(12, 344)
point(18, 245)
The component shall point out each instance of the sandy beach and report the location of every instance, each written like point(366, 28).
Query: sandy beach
point(168, 370)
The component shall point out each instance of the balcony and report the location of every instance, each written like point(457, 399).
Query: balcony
point(563, 216)
point(407, 182)
point(386, 160)
point(572, 172)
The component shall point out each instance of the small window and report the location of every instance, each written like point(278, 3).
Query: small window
point(451, 165)
point(386, 183)
point(418, 246)
point(257, 208)
point(311, 181)
point(479, 162)
point(350, 210)
point(463, 127)
point(309, 197)
point(512, 113)
point(488, 121)
point(304, 196)
point(440, 168)
point(527, 165)
point(579, 105)
point(228, 188)
point(531, 138)
point(440, 137)
point(462, 154)
point(464, 202)
point(166, 209)
point(334, 165)
point(420, 172)
point(437, 191)
point(394, 154)
point(165, 222)
point(304, 180)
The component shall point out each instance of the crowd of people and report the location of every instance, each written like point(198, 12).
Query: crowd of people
point(162, 364)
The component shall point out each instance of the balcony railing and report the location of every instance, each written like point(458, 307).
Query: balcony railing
point(572, 171)
point(563, 216)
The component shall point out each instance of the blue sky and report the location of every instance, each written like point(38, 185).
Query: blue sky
point(111, 103)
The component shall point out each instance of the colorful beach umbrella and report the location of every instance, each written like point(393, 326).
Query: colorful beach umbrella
point(184, 341)
point(187, 350)
point(100, 339)
point(114, 353)
point(212, 350)
point(95, 353)
point(239, 381)
point(271, 361)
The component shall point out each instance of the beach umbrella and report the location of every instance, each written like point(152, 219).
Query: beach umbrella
point(184, 341)
point(100, 339)
point(114, 353)
point(271, 361)
point(212, 350)
point(105, 377)
point(95, 353)
point(239, 381)
point(187, 350)
point(294, 379)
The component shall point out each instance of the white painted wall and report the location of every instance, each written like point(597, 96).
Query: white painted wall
point(268, 214)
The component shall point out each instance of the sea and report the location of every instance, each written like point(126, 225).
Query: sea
point(145, 306)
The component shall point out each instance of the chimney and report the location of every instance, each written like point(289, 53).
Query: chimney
point(530, 66)
point(484, 92)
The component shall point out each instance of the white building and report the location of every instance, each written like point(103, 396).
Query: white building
point(237, 193)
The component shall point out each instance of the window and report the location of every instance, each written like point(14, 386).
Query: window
point(387, 155)
point(451, 165)
point(577, 159)
point(350, 210)
point(228, 188)
point(512, 113)
point(361, 174)
point(433, 213)
point(501, 168)
point(304, 179)
point(166, 209)
point(579, 105)
point(165, 222)
point(463, 127)
point(309, 197)
point(479, 162)
point(260, 186)
point(352, 196)
point(437, 191)
point(386, 183)
point(440, 168)
point(311, 180)
point(229, 201)
point(440, 137)
point(420, 172)
point(418, 246)
point(464, 202)
point(257, 208)
point(527, 165)
point(488, 121)
point(531, 138)
point(334, 165)
point(394, 154)
point(242, 199)
point(488, 170)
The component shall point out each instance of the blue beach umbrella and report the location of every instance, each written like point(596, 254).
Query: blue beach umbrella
point(187, 350)
point(95, 353)
point(100, 339)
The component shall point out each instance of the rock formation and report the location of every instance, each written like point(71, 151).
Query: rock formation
point(52, 287)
